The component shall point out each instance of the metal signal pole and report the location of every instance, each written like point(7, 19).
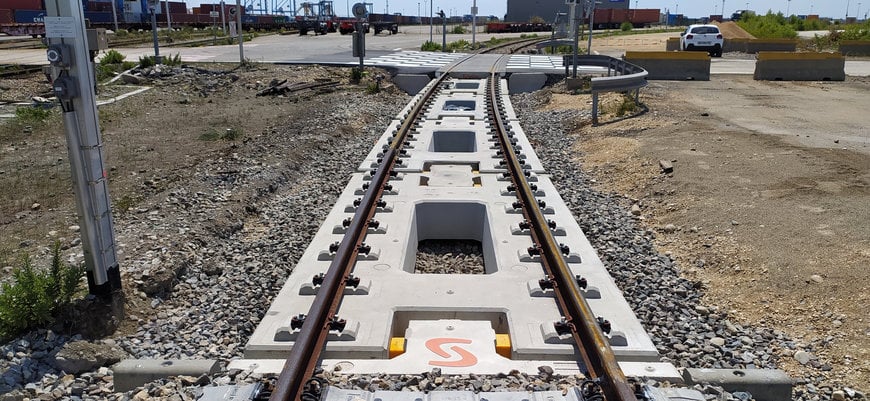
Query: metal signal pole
point(72, 74)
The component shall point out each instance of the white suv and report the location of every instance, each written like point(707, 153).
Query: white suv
point(702, 37)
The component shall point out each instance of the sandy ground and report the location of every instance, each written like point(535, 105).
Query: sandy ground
point(769, 198)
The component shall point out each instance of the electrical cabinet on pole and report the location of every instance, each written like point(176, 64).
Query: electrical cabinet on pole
point(72, 73)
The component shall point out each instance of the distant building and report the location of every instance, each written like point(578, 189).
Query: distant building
point(524, 10)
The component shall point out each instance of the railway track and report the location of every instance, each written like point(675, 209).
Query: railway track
point(456, 165)
point(15, 70)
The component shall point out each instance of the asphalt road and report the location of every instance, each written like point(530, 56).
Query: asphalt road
point(336, 48)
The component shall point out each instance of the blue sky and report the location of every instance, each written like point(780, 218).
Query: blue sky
point(692, 8)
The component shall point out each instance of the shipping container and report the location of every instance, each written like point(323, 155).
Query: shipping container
point(6, 17)
point(184, 18)
point(177, 7)
point(98, 17)
point(645, 15)
point(29, 16)
point(23, 5)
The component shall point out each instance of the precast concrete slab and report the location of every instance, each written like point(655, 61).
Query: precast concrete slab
point(571, 394)
point(412, 84)
point(526, 82)
point(450, 185)
point(477, 66)
point(509, 113)
point(131, 373)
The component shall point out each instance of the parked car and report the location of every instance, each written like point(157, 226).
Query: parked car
point(704, 38)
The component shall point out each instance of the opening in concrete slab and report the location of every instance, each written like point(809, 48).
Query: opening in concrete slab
point(467, 85)
point(401, 318)
point(459, 105)
point(449, 256)
point(453, 141)
point(450, 238)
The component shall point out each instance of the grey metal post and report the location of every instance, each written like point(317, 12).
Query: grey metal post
point(575, 28)
point(443, 31)
point(115, 15)
point(594, 108)
point(474, 25)
point(431, 22)
point(73, 83)
point(223, 17)
point(168, 18)
point(591, 24)
point(157, 59)
point(239, 30)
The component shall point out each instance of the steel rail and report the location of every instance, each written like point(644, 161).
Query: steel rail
point(594, 347)
point(305, 354)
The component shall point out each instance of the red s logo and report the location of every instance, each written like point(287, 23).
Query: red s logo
point(466, 358)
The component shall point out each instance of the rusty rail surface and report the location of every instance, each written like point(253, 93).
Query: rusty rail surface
point(302, 361)
point(594, 348)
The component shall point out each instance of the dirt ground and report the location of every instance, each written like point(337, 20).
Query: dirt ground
point(768, 198)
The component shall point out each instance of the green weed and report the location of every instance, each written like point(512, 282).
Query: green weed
point(430, 46)
point(34, 296)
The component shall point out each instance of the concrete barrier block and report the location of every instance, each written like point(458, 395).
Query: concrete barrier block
point(131, 373)
point(771, 45)
point(855, 47)
point(672, 45)
point(735, 45)
point(672, 65)
point(763, 384)
point(783, 66)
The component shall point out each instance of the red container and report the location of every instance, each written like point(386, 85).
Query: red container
point(23, 4)
point(645, 15)
point(6, 17)
point(177, 7)
point(619, 15)
point(183, 18)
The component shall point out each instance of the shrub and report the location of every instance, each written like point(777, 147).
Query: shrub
point(460, 44)
point(626, 26)
point(458, 30)
point(430, 46)
point(356, 74)
point(172, 61)
point(625, 106)
point(112, 57)
point(146, 61)
point(373, 88)
point(768, 26)
point(35, 296)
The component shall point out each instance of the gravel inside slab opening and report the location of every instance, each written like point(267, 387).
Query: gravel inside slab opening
point(454, 256)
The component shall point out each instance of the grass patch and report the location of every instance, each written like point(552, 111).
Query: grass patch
point(230, 134)
point(32, 115)
point(356, 75)
point(623, 106)
point(35, 296)
point(430, 46)
point(373, 88)
point(458, 30)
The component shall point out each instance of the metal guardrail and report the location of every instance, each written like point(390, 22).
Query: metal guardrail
point(622, 76)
